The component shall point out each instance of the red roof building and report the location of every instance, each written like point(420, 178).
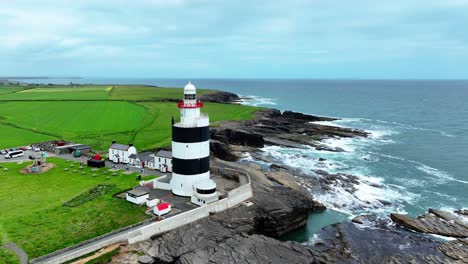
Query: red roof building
point(162, 208)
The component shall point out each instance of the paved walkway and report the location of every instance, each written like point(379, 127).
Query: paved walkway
point(18, 251)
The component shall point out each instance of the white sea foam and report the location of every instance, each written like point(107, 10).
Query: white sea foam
point(257, 100)
point(440, 176)
point(313, 240)
point(371, 193)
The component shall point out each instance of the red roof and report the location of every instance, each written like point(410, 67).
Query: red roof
point(163, 206)
point(195, 105)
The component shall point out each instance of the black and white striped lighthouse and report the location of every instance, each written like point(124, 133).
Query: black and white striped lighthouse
point(190, 145)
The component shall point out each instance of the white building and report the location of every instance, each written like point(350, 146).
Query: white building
point(145, 160)
point(191, 148)
point(137, 196)
point(163, 161)
point(120, 153)
point(205, 193)
point(162, 208)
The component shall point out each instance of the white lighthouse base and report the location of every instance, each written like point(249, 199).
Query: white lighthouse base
point(183, 185)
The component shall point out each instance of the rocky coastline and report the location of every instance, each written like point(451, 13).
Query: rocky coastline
point(282, 202)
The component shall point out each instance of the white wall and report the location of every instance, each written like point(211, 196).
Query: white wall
point(123, 155)
point(191, 150)
point(137, 200)
point(151, 203)
point(234, 198)
point(159, 162)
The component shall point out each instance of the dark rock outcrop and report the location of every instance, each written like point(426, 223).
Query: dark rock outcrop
point(245, 249)
point(281, 209)
point(288, 129)
point(350, 243)
point(237, 137)
point(226, 237)
point(305, 117)
point(441, 223)
point(222, 150)
point(219, 97)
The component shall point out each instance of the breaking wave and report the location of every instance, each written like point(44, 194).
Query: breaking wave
point(256, 100)
point(370, 193)
point(378, 189)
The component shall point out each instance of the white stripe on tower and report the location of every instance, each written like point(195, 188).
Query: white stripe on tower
point(196, 150)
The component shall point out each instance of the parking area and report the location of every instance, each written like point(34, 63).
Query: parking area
point(27, 156)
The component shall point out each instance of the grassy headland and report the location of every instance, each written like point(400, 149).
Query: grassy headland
point(33, 215)
point(98, 114)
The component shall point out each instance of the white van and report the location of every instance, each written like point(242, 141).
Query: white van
point(14, 154)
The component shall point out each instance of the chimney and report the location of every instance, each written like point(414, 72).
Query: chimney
point(113, 141)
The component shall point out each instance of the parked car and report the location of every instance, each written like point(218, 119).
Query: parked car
point(3, 151)
point(37, 149)
point(22, 148)
point(14, 154)
point(13, 149)
point(31, 157)
point(28, 147)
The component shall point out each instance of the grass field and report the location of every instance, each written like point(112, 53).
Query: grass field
point(144, 93)
point(33, 216)
point(72, 119)
point(13, 137)
point(143, 120)
point(59, 93)
point(91, 92)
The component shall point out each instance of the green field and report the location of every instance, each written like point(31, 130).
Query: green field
point(13, 137)
point(92, 92)
point(33, 216)
point(97, 115)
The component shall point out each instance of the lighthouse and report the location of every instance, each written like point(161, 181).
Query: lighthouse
point(191, 149)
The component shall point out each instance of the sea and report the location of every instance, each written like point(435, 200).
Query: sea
point(416, 157)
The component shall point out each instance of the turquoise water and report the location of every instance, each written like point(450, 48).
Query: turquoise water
point(417, 154)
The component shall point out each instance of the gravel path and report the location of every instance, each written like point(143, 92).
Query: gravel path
point(18, 251)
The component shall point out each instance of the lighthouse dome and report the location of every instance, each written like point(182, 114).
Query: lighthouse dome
point(190, 88)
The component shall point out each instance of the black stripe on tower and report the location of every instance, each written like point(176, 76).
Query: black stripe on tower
point(190, 166)
point(190, 134)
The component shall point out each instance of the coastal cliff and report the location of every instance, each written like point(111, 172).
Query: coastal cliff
point(282, 202)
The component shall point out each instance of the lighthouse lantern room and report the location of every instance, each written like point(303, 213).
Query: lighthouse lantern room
point(190, 146)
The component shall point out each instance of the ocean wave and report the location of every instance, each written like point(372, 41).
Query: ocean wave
point(411, 127)
point(257, 100)
point(441, 176)
point(343, 122)
point(370, 194)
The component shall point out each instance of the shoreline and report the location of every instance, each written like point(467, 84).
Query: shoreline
point(283, 195)
point(281, 204)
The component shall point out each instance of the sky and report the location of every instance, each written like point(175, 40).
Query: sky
point(368, 39)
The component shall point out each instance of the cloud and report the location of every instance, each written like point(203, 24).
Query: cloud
point(176, 36)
